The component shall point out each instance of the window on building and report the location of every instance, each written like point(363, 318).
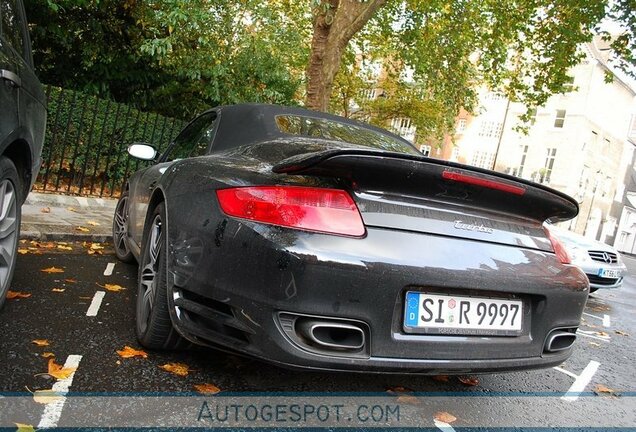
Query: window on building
point(559, 119)
point(483, 159)
point(549, 164)
point(461, 125)
point(524, 154)
point(369, 94)
point(490, 129)
point(568, 85)
point(532, 113)
point(455, 154)
point(425, 150)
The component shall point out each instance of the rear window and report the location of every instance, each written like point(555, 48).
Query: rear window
point(337, 131)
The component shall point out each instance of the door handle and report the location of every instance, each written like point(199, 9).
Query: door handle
point(13, 78)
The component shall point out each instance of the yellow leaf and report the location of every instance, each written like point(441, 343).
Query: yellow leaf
point(96, 246)
point(52, 270)
point(408, 399)
point(58, 290)
point(71, 281)
point(129, 352)
point(445, 417)
point(111, 287)
point(48, 354)
point(71, 209)
point(600, 388)
point(82, 229)
point(24, 427)
point(207, 388)
point(180, 369)
point(40, 342)
point(92, 223)
point(66, 248)
point(46, 396)
point(23, 251)
point(17, 295)
point(59, 372)
point(468, 381)
point(45, 209)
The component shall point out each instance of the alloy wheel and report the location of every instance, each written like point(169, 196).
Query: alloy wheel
point(121, 227)
point(149, 278)
point(8, 231)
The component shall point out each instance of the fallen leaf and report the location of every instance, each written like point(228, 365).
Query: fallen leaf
point(17, 295)
point(23, 251)
point(180, 369)
point(66, 248)
point(71, 209)
point(601, 389)
point(52, 270)
point(92, 223)
point(24, 427)
point(408, 400)
point(58, 290)
point(440, 378)
point(96, 246)
point(46, 396)
point(40, 342)
point(398, 389)
point(620, 332)
point(72, 281)
point(48, 354)
point(468, 381)
point(129, 352)
point(45, 209)
point(82, 229)
point(207, 388)
point(595, 344)
point(444, 417)
point(111, 287)
point(118, 362)
point(602, 334)
point(59, 372)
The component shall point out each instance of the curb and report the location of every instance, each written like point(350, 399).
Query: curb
point(67, 237)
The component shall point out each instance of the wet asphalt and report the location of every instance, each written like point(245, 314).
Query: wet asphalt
point(60, 318)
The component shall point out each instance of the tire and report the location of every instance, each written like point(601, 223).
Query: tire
point(10, 217)
point(153, 325)
point(120, 230)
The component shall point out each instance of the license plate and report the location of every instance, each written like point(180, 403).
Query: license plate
point(437, 313)
point(609, 273)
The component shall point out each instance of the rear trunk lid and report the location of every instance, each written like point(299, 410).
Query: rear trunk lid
point(419, 194)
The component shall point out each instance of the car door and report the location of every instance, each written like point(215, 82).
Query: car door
point(194, 140)
point(9, 79)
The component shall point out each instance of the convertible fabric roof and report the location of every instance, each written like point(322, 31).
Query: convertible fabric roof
point(245, 124)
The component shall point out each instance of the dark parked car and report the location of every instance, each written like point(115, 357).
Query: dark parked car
point(22, 124)
point(310, 240)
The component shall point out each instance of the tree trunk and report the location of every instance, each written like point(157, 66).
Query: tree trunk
point(333, 29)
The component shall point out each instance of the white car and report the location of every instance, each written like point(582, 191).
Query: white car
point(601, 263)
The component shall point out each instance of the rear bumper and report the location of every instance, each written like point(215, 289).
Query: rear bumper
point(230, 294)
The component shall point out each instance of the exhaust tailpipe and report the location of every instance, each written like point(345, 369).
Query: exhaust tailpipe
point(559, 340)
point(331, 335)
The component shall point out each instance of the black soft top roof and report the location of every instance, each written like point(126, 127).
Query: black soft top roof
point(246, 124)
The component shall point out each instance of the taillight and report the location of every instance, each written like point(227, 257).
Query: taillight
point(478, 181)
point(330, 211)
point(559, 250)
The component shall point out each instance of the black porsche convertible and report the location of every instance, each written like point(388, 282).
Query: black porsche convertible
point(314, 241)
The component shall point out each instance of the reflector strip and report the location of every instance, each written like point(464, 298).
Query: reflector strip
point(478, 181)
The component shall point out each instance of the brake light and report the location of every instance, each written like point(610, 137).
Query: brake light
point(478, 181)
point(559, 250)
point(330, 211)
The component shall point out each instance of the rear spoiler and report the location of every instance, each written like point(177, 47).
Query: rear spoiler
point(414, 175)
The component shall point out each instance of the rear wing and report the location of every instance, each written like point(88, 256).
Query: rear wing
point(441, 180)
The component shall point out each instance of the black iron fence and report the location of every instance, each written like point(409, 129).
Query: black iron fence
point(86, 141)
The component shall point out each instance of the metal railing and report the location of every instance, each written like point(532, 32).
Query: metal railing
point(86, 140)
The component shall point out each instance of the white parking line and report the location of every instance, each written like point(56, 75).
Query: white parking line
point(95, 303)
point(109, 269)
point(592, 335)
point(53, 410)
point(568, 373)
point(605, 318)
point(581, 381)
point(83, 202)
point(445, 427)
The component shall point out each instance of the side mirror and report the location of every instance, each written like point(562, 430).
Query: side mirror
point(142, 151)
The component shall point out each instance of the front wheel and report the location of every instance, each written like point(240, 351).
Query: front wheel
point(10, 214)
point(154, 327)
